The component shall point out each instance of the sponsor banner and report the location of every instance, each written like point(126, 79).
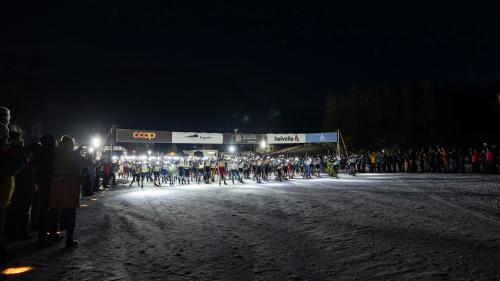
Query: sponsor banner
point(285, 138)
point(321, 137)
point(246, 138)
point(143, 136)
point(191, 137)
point(228, 138)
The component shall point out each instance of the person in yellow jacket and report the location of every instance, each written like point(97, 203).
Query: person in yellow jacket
point(11, 162)
point(373, 161)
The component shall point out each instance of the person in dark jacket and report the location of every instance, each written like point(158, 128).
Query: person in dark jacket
point(44, 163)
point(22, 198)
point(87, 182)
point(4, 115)
point(11, 162)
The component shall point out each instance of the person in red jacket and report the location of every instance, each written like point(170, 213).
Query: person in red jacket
point(490, 163)
point(475, 161)
point(106, 174)
point(221, 168)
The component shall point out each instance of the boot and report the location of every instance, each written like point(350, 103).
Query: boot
point(70, 242)
point(54, 237)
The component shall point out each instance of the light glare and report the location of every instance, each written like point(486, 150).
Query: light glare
point(263, 144)
point(96, 141)
point(16, 270)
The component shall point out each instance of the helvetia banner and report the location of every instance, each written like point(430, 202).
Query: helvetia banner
point(191, 137)
point(285, 138)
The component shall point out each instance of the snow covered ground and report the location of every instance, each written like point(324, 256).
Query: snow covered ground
point(368, 227)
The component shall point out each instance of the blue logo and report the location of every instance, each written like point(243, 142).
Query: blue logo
point(321, 137)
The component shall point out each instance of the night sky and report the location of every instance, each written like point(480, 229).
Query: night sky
point(198, 65)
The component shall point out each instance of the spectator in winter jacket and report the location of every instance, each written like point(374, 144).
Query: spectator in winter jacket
point(22, 198)
point(11, 162)
point(490, 163)
point(373, 162)
point(65, 186)
point(475, 161)
point(44, 161)
point(4, 115)
point(106, 174)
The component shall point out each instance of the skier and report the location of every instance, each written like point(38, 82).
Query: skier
point(156, 174)
point(221, 169)
point(163, 172)
point(171, 172)
point(136, 175)
point(233, 166)
point(207, 174)
point(144, 172)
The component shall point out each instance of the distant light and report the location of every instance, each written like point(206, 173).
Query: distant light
point(263, 144)
point(84, 205)
point(142, 157)
point(232, 148)
point(93, 199)
point(114, 157)
point(16, 270)
point(96, 141)
point(91, 149)
point(149, 152)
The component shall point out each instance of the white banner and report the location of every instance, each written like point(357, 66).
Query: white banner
point(286, 138)
point(191, 137)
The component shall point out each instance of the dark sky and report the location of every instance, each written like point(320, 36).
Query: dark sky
point(199, 65)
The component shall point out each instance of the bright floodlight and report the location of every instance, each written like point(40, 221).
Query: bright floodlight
point(232, 148)
point(91, 149)
point(96, 141)
point(263, 144)
point(149, 152)
point(114, 157)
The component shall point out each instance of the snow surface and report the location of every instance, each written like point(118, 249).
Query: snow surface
point(368, 227)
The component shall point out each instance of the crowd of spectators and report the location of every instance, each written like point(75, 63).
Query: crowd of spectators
point(431, 160)
point(40, 185)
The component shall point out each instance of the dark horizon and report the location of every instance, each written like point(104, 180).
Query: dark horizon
point(190, 66)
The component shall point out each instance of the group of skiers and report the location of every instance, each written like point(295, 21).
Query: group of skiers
point(186, 170)
point(167, 170)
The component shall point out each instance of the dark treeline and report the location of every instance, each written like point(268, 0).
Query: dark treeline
point(414, 115)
